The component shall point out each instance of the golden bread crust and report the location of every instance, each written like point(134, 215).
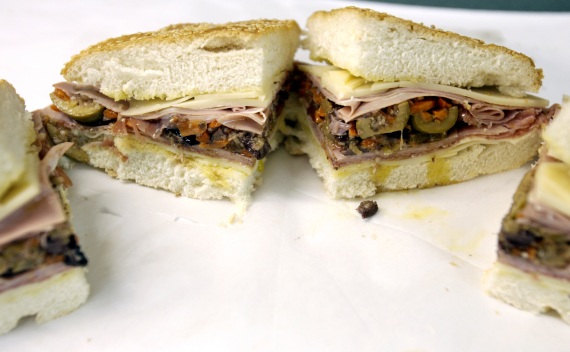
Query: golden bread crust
point(430, 32)
point(231, 34)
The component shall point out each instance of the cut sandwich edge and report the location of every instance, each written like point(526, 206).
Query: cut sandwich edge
point(48, 299)
point(535, 293)
point(449, 166)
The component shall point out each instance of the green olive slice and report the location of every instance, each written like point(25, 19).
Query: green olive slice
point(435, 125)
point(82, 111)
point(373, 125)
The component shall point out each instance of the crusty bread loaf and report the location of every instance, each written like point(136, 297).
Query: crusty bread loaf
point(473, 158)
point(534, 292)
point(188, 59)
point(17, 134)
point(380, 47)
point(556, 133)
point(47, 299)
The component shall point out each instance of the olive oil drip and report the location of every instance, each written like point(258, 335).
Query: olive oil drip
point(438, 172)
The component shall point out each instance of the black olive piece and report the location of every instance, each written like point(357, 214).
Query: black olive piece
point(55, 245)
point(8, 274)
point(522, 240)
point(74, 256)
point(256, 145)
point(175, 134)
point(291, 123)
point(341, 137)
point(367, 208)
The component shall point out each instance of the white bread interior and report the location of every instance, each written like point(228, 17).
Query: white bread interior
point(476, 157)
point(380, 47)
point(188, 59)
point(534, 292)
point(184, 173)
point(17, 134)
point(48, 299)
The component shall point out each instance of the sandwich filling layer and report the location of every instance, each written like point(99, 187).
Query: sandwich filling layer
point(357, 121)
point(237, 127)
point(535, 235)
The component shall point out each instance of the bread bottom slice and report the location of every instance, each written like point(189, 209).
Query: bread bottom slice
point(48, 299)
point(470, 158)
point(184, 173)
point(532, 292)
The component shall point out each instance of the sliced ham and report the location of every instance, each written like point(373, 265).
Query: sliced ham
point(91, 92)
point(44, 211)
point(242, 118)
point(544, 217)
point(41, 273)
point(476, 112)
point(532, 268)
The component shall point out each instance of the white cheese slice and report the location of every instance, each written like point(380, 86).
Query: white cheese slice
point(207, 101)
point(20, 193)
point(254, 98)
point(556, 134)
point(552, 186)
point(344, 85)
point(139, 107)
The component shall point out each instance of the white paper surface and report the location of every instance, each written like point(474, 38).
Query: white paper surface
point(300, 272)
